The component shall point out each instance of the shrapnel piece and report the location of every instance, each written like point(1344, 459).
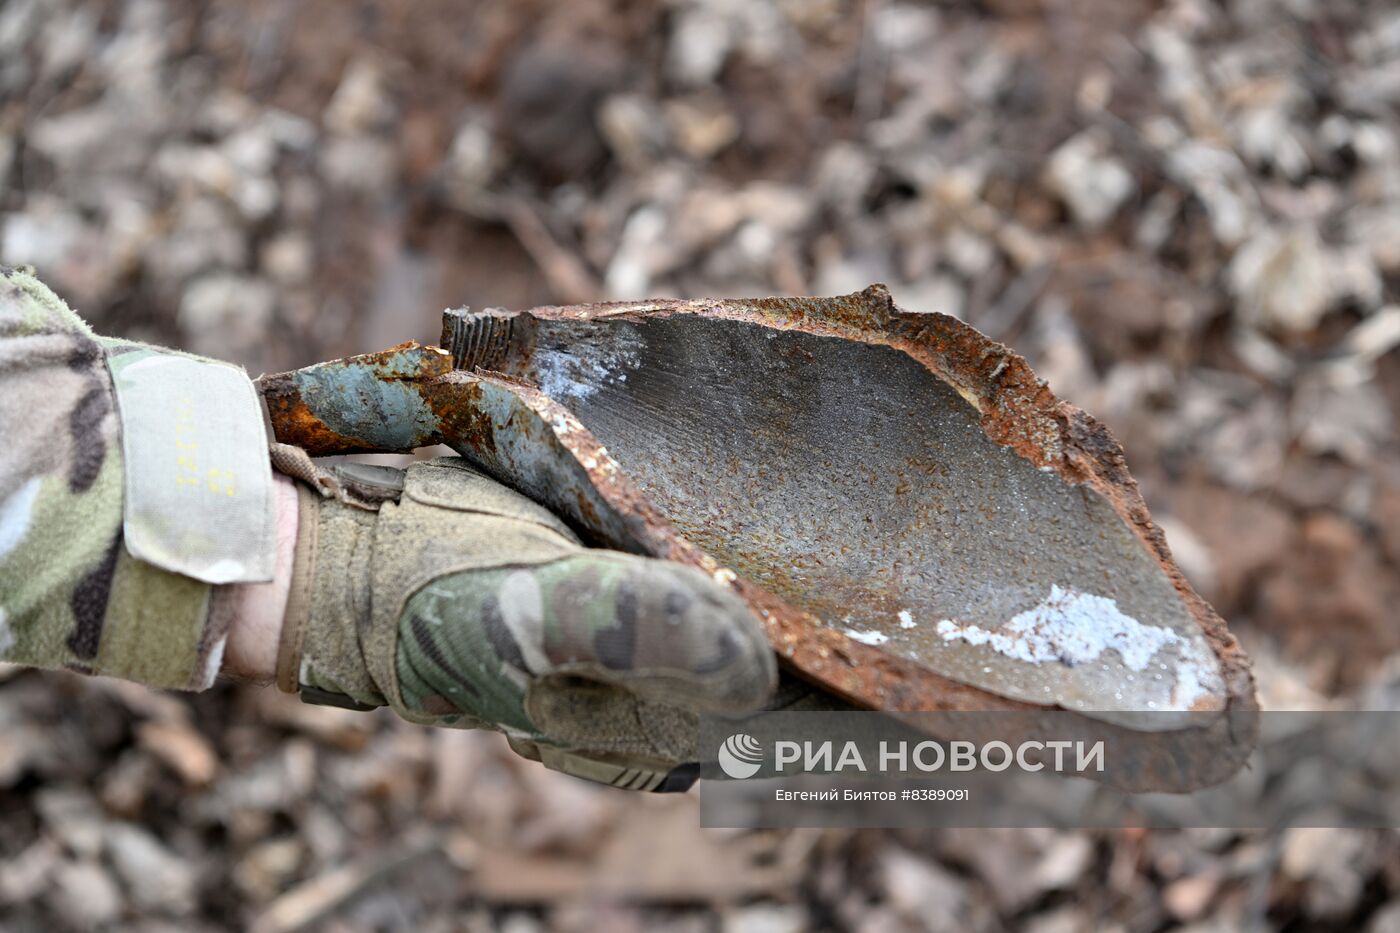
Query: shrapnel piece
point(918, 521)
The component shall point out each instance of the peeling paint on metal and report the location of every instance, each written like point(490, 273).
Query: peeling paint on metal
point(577, 371)
point(366, 403)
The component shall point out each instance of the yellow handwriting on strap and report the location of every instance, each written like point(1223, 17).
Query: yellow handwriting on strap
point(186, 447)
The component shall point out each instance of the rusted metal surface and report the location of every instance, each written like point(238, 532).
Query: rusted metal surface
point(919, 522)
point(372, 403)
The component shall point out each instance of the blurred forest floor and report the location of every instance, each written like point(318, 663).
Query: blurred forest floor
point(1186, 216)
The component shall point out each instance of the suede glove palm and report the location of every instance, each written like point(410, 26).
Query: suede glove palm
point(453, 600)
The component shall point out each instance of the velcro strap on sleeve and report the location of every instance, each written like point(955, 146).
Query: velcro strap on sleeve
point(199, 497)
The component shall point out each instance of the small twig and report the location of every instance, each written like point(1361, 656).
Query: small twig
point(569, 279)
point(1015, 300)
point(315, 899)
point(871, 66)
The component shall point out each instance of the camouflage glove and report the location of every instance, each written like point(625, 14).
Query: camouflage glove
point(457, 602)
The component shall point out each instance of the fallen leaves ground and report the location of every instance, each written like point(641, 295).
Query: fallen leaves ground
point(1186, 215)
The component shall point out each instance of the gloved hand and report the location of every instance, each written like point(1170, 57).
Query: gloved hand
point(134, 538)
point(457, 602)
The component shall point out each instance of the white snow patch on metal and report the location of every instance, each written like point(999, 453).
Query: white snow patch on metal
point(1073, 628)
point(867, 638)
point(1192, 677)
point(1069, 627)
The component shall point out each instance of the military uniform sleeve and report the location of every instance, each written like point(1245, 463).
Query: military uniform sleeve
point(71, 594)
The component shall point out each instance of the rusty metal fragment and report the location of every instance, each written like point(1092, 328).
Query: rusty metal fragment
point(920, 523)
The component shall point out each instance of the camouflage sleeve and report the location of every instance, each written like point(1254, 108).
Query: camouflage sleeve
point(71, 596)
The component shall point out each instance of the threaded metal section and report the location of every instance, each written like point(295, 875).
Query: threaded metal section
point(476, 339)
